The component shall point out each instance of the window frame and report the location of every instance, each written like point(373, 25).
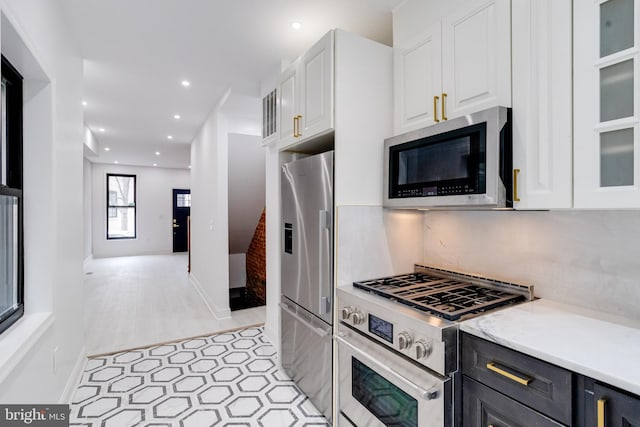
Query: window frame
point(12, 168)
point(115, 206)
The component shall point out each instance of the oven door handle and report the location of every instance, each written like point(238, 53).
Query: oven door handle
point(319, 331)
point(431, 394)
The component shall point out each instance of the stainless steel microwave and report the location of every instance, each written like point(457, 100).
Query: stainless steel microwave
point(462, 163)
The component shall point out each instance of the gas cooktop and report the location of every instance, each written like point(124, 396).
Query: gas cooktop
point(447, 294)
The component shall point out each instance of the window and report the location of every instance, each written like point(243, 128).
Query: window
point(183, 200)
point(121, 206)
point(11, 234)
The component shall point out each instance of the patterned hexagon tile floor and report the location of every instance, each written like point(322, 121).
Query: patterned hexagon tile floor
point(229, 379)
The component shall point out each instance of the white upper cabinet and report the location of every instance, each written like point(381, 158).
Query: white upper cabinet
point(461, 64)
point(288, 102)
point(542, 97)
point(316, 83)
point(417, 73)
point(306, 94)
point(476, 58)
point(606, 109)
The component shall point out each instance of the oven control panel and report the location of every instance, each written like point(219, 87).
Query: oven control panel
point(399, 328)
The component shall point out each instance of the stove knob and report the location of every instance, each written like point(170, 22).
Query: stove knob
point(346, 313)
point(423, 349)
point(404, 340)
point(357, 318)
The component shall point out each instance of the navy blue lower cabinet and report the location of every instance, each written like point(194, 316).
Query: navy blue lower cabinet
point(483, 406)
point(516, 386)
point(605, 406)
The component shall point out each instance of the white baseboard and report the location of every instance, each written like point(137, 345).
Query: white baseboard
point(218, 313)
point(74, 377)
point(271, 335)
point(132, 253)
point(86, 262)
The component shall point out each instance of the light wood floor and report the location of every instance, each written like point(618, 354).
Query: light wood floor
point(137, 301)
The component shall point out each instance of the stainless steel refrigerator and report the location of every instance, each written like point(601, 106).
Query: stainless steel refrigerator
point(307, 276)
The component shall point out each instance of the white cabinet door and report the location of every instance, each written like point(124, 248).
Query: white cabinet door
point(417, 79)
point(476, 57)
point(316, 88)
point(542, 96)
point(288, 104)
point(606, 107)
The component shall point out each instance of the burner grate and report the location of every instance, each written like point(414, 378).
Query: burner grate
point(448, 298)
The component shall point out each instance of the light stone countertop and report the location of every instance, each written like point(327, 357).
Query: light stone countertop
point(598, 345)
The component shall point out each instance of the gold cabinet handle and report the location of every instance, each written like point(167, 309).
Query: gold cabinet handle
point(601, 405)
point(176, 226)
point(435, 109)
point(515, 185)
point(296, 126)
point(444, 100)
point(520, 380)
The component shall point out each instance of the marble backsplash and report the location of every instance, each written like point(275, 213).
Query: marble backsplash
point(585, 258)
point(374, 242)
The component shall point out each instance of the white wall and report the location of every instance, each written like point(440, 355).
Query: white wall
point(246, 189)
point(585, 258)
point(154, 210)
point(36, 39)
point(209, 212)
point(87, 179)
point(233, 118)
point(272, 230)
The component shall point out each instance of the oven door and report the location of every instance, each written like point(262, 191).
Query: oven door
point(378, 387)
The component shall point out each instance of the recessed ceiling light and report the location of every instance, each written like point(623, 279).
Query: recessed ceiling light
point(101, 129)
point(296, 25)
point(169, 137)
point(107, 148)
point(185, 83)
point(116, 162)
point(84, 103)
point(157, 153)
point(155, 164)
point(176, 116)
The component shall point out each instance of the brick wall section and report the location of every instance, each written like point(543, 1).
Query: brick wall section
point(257, 265)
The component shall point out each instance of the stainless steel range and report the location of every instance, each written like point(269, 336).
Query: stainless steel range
point(398, 344)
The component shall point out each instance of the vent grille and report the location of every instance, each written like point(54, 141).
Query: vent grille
point(269, 114)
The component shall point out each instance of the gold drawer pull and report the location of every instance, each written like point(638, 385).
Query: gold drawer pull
point(601, 405)
point(520, 380)
point(444, 100)
point(515, 185)
point(435, 109)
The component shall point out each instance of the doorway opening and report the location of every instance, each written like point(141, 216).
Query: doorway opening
point(247, 256)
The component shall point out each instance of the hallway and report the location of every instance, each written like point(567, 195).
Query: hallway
point(142, 300)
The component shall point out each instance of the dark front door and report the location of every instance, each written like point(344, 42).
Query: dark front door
point(181, 212)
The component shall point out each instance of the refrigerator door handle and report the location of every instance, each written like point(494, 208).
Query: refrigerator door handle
point(324, 225)
point(319, 331)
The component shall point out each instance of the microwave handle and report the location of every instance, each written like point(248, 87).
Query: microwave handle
point(425, 394)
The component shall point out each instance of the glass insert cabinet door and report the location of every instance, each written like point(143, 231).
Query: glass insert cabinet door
point(606, 108)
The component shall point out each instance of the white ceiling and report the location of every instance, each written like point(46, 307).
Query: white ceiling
point(138, 51)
